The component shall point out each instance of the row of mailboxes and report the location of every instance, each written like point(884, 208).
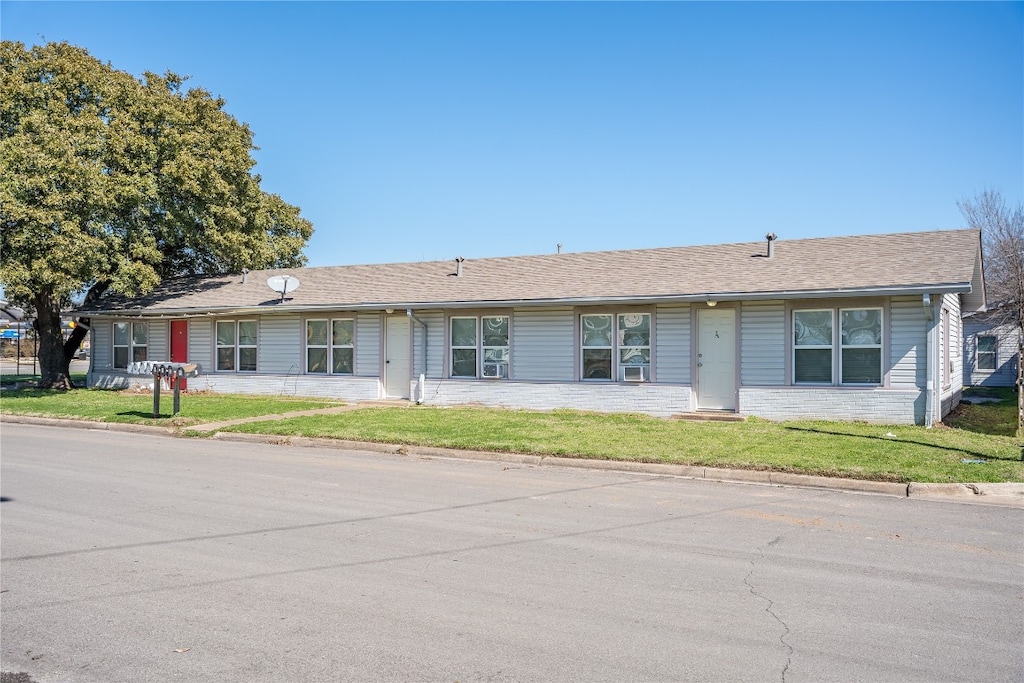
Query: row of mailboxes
point(175, 372)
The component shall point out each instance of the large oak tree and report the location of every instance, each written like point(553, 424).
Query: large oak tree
point(112, 182)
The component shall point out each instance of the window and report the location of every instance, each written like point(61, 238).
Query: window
point(812, 347)
point(986, 353)
point(615, 346)
point(131, 343)
point(236, 345)
point(480, 346)
point(859, 358)
point(333, 341)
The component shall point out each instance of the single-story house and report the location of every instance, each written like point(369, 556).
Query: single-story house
point(853, 328)
point(990, 349)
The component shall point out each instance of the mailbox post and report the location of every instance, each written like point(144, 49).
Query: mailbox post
point(171, 371)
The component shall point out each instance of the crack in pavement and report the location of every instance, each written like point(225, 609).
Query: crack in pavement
point(770, 607)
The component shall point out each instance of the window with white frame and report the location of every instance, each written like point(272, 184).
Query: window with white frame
point(330, 346)
point(131, 343)
point(854, 355)
point(479, 346)
point(615, 346)
point(986, 355)
point(861, 358)
point(236, 345)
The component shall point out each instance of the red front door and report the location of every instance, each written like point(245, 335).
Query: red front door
point(179, 344)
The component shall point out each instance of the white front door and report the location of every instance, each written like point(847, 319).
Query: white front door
point(396, 356)
point(716, 359)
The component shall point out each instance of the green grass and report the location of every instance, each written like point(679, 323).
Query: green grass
point(879, 452)
point(858, 450)
point(987, 418)
point(137, 407)
point(10, 378)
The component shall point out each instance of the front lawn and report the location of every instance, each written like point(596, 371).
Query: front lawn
point(137, 407)
point(879, 452)
point(846, 449)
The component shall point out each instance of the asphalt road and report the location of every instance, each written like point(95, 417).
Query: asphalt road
point(142, 558)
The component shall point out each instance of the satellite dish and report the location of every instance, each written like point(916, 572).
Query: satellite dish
point(282, 284)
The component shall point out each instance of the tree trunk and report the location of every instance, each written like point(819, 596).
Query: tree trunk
point(1020, 380)
point(52, 366)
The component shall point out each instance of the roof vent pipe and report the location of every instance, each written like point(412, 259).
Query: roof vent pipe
point(245, 275)
point(458, 266)
point(771, 237)
point(559, 247)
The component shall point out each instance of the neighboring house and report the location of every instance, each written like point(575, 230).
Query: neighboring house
point(859, 328)
point(990, 350)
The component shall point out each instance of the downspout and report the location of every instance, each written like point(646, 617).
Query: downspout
point(931, 354)
point(423, 375)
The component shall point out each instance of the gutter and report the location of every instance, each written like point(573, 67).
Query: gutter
point(955, 288)
point(412, 316)
point(931, 355)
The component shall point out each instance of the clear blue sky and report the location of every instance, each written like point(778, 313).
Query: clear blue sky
point(429, 130)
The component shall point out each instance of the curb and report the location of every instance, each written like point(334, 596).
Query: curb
point(1005, 495)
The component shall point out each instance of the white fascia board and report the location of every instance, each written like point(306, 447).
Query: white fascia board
point(953, 288)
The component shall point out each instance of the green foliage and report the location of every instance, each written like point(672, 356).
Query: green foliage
point(116, 182)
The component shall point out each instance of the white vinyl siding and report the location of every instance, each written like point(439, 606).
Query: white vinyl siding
point(543, 344)
point(672, 349)
point(1005, 353)
point(200, 343)
point(908, 326)
point(159, 340)
point(100, 347)
point(762, 343)
point(434, 320)
point(368, 350)
point(280, 347)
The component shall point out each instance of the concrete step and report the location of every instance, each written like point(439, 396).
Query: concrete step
point(710, 416)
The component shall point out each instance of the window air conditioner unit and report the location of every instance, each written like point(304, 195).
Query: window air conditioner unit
point(633, 373)
point(495, 370)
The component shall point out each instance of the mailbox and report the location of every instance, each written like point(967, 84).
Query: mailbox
point(170, 371)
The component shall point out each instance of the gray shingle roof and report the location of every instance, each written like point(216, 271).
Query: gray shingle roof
point(914, 262)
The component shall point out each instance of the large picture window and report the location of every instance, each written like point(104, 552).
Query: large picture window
point(854, 354)
point(479, 346)
point(236, 345)
point(131, 343)
point(615, 346)
point(330, 346)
